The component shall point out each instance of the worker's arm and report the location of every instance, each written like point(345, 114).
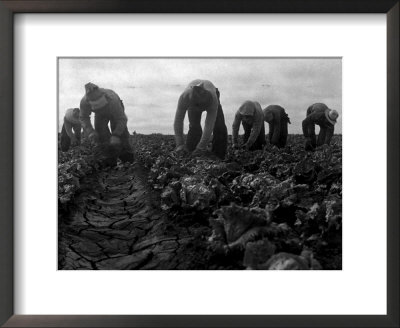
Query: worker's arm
point(84, 117)
point(329, 134)
point(68, 129)
point(270, 132)
point(179, 118)
point(255, 129)
point(309, 129)
point(277, 129)
point(235, 128)
point(118, 115)
point(308, 126)
point(209, 124)
point(309, 110)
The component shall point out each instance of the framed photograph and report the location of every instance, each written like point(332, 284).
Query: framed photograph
point(122, 205)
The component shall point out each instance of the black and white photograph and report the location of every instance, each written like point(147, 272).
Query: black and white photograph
point(196, 163)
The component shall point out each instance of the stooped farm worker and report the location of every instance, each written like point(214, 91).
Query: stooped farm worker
point(199, 96)
point(107, 108)
point(251, 116)
point(319, 114)
point(278, 121)
point(71, 129)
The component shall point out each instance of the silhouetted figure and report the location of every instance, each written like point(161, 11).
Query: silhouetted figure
point(107, 108)
point(251, 116)
point(71, 129)
point(278, 121)
point(199, 96)
point(319, 114)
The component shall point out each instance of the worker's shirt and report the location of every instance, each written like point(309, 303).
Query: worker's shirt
point(185, 102)
point(318, 118)
point(258, 121)
point(71, 121)
point(275, 126)
point(114, 111)
point(317, 107)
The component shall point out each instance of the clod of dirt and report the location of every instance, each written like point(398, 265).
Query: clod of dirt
point(255, 181)
point(236, 225)
point(305, 171)
point(257, 253)
point(274, 194)
point(287, 261)
point(169, 198)
point(195, 193)
point(218, 169)
point(333, 214)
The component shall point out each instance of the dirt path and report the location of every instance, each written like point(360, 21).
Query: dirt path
point(116, 223)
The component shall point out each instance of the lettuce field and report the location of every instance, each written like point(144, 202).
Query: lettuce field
point(272, 209)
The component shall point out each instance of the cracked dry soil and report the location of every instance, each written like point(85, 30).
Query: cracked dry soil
point(116, 223)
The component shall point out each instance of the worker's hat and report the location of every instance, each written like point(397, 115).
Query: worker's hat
point(95, 96)
point(331, 115)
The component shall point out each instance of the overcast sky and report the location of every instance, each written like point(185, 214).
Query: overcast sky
point(150, 87)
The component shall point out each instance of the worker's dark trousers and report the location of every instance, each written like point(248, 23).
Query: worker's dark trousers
point(260, 141)
point(324, 136)
point(65, 141)
point(220, 132)
point(283, 134)
point(111, 153)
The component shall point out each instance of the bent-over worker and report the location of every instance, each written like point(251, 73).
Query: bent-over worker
point(199, 96)
point(107, 108)
point(251, 116)
point(278, 121)
point(319, 114)
point(71, 129)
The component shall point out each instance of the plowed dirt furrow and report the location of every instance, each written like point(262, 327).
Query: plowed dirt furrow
point(116, 223)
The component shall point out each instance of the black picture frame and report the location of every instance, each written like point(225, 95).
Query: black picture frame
point(10, 7)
